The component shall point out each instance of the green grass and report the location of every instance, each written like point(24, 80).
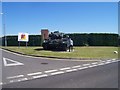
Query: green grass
point(79, 52)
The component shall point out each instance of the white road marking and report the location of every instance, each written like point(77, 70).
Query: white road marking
point(95, 63)
point(49, 71)
point(14, 63)
point(30, 74)
point(11, 81)
point(109, 60)
point(1, 83)
point(18, 76)
point(55, 73)
point(23, 79)
point(83, 68)
point(65, 68)
point(71, 70)
point(101, 64)
point(113, 59)
point(40, 76)
point(76, 66)
point(86, 64)
point(103, 61)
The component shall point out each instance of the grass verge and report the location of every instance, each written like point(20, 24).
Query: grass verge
point(79, 52)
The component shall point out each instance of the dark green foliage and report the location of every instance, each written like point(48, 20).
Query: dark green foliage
point(95, 39)
point(92, 39)
point(34, 40)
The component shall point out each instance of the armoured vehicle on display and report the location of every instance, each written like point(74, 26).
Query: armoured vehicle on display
point(56, 41)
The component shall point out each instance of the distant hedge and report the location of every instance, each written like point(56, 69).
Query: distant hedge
point(95, 39)
point(92, 39)
point(34, 40)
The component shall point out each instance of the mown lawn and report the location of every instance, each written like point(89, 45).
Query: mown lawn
point(79, 52)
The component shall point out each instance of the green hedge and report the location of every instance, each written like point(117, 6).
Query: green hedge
point(92, 39)
point(34, 40)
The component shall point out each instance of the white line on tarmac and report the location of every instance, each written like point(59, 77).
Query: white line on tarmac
point(85, 64)
point(102, 61)
point(14, 63)
point(40, 76)
point(76, 66)
point(1, 83)
point(55, 73)
point(71, 70)
point(12, 81)
point(18, 76)
point(65, 68)
point(101, 64)
point(115, 61)
point(49, 71)
point(22, 79)
point(107, 62)
point(82, 68)
point(95, 63)
point(30, 74)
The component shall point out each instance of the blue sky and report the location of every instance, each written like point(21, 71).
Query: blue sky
point(67, 17)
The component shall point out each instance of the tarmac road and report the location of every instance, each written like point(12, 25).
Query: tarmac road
point(28, 72)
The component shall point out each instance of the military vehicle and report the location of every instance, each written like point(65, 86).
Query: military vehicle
point(56, 41)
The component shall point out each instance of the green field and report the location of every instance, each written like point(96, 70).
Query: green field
point(79, 52)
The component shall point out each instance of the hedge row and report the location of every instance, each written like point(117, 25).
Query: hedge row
point(93, 39)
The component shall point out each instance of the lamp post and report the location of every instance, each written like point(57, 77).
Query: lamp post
point(4, 28)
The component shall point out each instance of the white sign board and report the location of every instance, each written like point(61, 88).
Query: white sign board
point(23, 37)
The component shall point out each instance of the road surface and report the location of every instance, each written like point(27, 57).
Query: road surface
point(20, 71)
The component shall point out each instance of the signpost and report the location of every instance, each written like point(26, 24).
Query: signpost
point(23, 37)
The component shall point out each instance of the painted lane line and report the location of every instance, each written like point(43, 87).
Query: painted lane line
point(1, 83)
point(55, 73)
point(76, 66)
point(40, 76)
point(18, 76)
point(109, 60)
point(23, 79)
point(86, 64)
point(95, 63)
point(101, 64)
point(18, 80)
point(49, 71)
point(65, 68)
point(12, 81)
point(103, 61)
point(113, 59)
point(71, 70)
point(90, 66)
point(30, 74)
point(83, 68)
